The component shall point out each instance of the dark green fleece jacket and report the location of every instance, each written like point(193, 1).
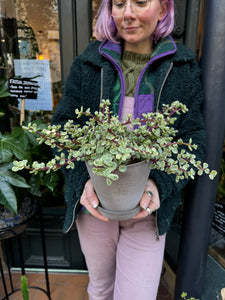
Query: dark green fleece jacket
point(174, 75)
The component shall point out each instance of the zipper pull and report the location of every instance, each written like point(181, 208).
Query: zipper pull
point(157, 235)
point(156, 226)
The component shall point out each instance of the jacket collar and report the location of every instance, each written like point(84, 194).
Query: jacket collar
point(164, 48)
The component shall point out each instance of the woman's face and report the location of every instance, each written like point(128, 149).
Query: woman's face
point(136, 30)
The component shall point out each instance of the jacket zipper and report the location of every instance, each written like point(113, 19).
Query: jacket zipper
point(75, 206)
point(140, 78)
point(72, 221)
point(101, 92)
point(163, 84)
point(121, 79)
point(156, 226)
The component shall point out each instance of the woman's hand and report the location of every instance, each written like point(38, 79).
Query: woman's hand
point(90, 200)
point(150, 201)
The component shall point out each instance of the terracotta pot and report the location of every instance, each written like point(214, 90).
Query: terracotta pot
point(120, 200)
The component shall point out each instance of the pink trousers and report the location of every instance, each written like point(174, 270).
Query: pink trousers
point(124, 259)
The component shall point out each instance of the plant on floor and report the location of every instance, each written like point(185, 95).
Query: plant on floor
point(109, 145)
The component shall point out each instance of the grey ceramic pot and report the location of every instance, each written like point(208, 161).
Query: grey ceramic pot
point(120, 200)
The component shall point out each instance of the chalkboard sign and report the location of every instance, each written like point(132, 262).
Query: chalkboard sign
point(23, 88)
point(219, 218)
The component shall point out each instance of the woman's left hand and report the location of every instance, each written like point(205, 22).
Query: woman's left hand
point(150, 200)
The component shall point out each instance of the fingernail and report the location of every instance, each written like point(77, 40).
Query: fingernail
point(95, 205)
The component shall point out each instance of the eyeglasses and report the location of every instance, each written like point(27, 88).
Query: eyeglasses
point(139, 7)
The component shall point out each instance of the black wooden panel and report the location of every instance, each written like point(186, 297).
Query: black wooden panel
point(63, 250)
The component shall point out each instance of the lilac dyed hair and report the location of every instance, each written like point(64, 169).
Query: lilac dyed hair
point(105, 27)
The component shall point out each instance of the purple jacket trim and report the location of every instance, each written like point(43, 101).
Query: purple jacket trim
point(137, 104)
point(165, 53)
point(111, 46)
point(144, 104)
point(150, 62)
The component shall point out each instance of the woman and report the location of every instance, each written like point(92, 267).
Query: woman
point(138, 66)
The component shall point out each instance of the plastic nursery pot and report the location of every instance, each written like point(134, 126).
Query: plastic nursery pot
point(120, 200)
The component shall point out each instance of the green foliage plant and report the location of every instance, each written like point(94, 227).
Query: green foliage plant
point(109, 145)
point(10, 147)
point(21, 144)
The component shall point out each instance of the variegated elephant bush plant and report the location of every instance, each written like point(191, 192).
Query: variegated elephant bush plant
point(109, 145)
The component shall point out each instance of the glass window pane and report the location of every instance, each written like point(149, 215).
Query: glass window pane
point(29, 29)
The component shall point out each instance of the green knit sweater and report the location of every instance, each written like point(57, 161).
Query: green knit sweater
point(132, 65)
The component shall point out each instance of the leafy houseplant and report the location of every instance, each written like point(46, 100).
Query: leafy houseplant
point(111, 147)
point(18, 192)
point(20, 144)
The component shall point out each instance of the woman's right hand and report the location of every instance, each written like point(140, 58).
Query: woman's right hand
point(90, 201)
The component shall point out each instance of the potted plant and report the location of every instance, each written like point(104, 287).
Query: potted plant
point(110, 147)
point(20, 191)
